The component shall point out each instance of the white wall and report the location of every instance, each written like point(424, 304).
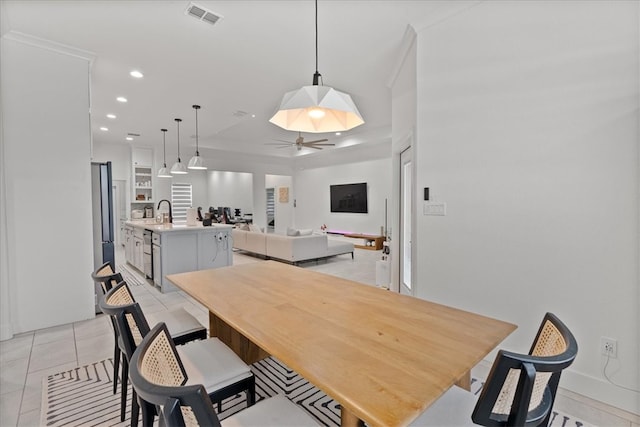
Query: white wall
point(46, 162)
point(313, 203)
point(118, 155)
point(528, 129)
point(232, 189)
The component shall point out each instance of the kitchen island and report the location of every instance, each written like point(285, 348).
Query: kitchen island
point(159, 249)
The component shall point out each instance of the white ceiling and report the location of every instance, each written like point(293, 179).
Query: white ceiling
point(241, 65)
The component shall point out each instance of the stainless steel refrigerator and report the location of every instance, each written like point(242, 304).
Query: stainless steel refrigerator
point(103, 234)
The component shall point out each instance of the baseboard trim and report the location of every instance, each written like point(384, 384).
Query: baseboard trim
point(6, 332)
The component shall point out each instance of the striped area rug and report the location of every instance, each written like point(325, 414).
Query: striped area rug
point(132, 278)
point(83, 396)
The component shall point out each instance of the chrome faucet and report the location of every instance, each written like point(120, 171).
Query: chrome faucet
point(169, 203)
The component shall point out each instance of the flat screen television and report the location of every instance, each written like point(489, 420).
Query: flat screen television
point(349, 198)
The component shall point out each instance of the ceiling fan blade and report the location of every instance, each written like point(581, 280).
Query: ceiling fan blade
point(278, 143)
point(317, 140)
point(282, 140)
point(314, 147)
point(325, 145)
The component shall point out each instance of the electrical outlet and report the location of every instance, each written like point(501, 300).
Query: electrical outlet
point(609, 347)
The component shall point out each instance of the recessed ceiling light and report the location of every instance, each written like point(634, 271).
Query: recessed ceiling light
point(121, 99)
point(111, 116)
point(338, 133)
point(129, 138)
point(253, 116)
point(137, 74)
point(104, 129)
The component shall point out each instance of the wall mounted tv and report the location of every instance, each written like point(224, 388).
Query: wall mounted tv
point(349, 198)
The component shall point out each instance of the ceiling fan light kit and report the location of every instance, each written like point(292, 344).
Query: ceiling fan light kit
point(317, 108)
point(300, 142)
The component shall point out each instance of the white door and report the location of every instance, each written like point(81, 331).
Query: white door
point(406, 209)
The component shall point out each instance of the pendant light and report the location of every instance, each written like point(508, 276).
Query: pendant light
point(178, 167)
point(164, 172)
point(316, 108)
point(196, 161)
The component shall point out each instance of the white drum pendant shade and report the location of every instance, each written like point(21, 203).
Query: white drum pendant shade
point(301, 110)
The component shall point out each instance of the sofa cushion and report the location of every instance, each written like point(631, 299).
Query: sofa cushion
point(296, 248)
point(338, 247)
point(292, 232)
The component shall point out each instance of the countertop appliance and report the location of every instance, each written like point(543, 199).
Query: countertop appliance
point(147, 253)
point(102, 211)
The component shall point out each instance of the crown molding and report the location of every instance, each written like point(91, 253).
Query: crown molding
point(35, 41)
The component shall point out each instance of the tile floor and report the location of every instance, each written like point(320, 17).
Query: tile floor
point(28, 357)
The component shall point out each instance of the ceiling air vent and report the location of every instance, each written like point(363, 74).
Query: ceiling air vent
point(202, 14)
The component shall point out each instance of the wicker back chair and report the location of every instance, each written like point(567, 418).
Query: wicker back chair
point(106, 278)
point(221, 371)
point(520, 389)
point(159, 377)
point(131, 325)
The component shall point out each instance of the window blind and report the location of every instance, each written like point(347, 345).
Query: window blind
point(181, 199)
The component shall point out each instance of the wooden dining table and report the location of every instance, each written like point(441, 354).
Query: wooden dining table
point(384, 357)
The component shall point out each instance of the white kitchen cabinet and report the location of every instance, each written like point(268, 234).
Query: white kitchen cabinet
point(214, 249)
point(178, 249)
point(141, 156)
point(157, 260)
point(193, 249)
point(128, 244)
point(138, 248)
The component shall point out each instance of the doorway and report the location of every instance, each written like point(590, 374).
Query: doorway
point(406, 218)
point(271, 210)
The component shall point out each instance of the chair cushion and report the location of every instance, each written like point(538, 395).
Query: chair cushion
point(454, 408)
point(275, 411)
point(179, 321)
point(211, 363)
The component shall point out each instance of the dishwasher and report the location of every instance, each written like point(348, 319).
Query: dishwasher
point(147, 254)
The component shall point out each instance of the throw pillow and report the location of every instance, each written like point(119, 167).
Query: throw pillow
point(255, 228)
point(292, 232)
point(306, 232)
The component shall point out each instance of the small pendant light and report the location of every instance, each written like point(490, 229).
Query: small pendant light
point(178, 167)
point(196, 161)
point(164, 172)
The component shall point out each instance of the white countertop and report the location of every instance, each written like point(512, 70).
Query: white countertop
point(152, 225)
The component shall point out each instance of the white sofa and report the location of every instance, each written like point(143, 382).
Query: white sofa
point(292, 249)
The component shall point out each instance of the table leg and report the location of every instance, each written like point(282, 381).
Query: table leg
point(465, 381)
point(348, 419)
point(241, 345)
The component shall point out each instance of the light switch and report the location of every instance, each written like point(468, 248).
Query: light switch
point(434, 208)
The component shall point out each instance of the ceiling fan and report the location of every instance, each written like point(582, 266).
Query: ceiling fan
point(300, 142)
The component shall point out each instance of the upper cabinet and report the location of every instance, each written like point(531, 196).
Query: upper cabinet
point(142, 169)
